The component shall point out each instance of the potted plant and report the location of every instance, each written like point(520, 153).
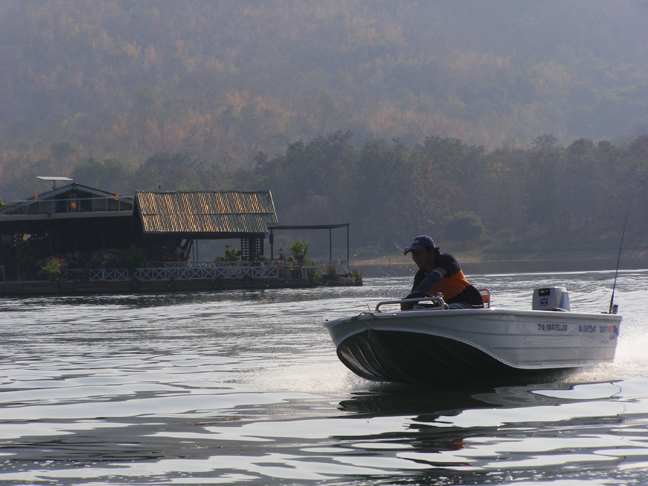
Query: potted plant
point(54, 268)
point(299, 251)
point(231, 255)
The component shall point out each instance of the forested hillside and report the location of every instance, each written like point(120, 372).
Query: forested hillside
point(393, 115)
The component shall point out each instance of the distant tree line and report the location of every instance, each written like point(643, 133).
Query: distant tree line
point(546, 197)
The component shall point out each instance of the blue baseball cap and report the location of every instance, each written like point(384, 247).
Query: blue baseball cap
point(420, 242)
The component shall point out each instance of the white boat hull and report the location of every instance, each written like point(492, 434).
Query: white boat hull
point(461, 344)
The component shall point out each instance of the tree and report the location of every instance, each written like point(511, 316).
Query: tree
point(465, 227)
point(168, 172)
point(379, 200)
point(107, 175)
point(433, 182)
point(543, 201)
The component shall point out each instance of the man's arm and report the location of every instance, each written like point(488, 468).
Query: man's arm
point(431, 279)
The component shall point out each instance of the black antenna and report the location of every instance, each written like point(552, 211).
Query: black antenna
point(613, 308)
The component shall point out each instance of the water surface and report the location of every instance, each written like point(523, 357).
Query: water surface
point(245, 387)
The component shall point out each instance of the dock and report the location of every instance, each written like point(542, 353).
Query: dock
point(187, 277)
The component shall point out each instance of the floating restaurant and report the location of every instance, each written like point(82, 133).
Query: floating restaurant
point(76, 239)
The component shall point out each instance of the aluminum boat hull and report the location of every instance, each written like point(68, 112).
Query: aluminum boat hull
point(432, 346)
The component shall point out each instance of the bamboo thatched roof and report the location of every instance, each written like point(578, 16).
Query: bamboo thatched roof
point(206, 212)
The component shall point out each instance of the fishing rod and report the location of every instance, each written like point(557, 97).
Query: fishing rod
point(613, 308)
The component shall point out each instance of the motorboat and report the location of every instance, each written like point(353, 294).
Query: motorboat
point(436, 343)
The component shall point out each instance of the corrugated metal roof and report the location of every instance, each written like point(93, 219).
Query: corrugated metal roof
point(206, 211)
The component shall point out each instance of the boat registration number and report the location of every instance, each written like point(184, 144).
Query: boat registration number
point(552, 327)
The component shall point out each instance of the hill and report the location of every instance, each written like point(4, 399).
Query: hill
point(220, 81)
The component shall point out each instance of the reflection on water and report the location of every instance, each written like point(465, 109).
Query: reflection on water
point(430, 403)
point(245, 387)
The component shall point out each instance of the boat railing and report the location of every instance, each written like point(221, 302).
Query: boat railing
point(436, 302)
point(486, 296)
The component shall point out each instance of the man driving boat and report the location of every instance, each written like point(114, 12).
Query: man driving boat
point(440, 272)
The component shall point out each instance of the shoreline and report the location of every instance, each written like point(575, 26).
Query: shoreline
point(39, 288)
point(515, 263)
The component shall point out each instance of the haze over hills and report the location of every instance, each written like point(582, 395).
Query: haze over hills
point(222, 80)
point(98, 88)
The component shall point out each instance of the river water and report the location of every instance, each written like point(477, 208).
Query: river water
point(246, 388)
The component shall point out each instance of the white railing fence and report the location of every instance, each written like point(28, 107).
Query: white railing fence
point(109, 274)
point(209, 271)
point(341, 267)
point(181, 273)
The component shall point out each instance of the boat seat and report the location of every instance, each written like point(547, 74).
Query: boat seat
point(485, 294)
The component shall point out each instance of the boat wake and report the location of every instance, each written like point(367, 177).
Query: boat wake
point(322, 377)
point(631, 360)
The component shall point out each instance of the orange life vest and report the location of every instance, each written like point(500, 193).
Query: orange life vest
point(450, 286)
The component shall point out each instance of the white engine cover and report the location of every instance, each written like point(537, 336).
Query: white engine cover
point(550, 299)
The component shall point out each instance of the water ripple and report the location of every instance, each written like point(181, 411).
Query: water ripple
point(245, 387)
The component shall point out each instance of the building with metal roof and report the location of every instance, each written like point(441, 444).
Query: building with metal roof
point(78, 218)
point(206, 215)
point(69, 218)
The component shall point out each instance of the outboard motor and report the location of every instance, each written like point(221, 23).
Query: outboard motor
point(551, 299)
